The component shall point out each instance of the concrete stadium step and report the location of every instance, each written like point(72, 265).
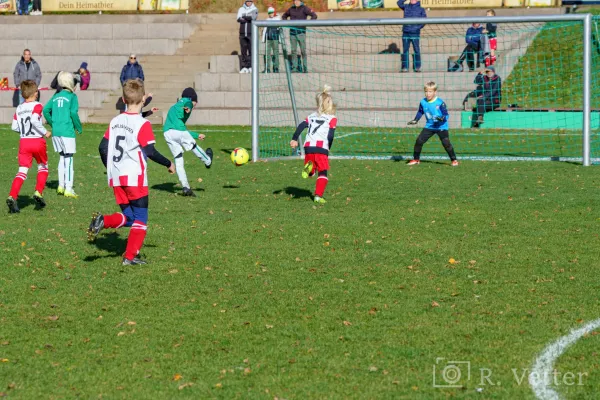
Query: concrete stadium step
point(91, 47)
point(86, 98)
point(68, 63)
point(389, 99)
point(99, 81)
point(278, 117)
point(447, 81)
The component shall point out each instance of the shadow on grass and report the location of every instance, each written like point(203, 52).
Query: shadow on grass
point(231, 186)
point(113, 243)
point(25, 201)
point(52, 185)
point(295, 192)
point(227, 151)
point(172, 187)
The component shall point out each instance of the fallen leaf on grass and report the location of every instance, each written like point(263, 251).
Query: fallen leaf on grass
point(120, 333)
point(53, 318)
point(435, 304)
point(452, 261)
point(181, 387)
point(247, 371)
point(177, 377)
point(372, 368)
point(269, 326)
point(219, 385)
point(131, 323)
point(347, 323)
point(4, 360)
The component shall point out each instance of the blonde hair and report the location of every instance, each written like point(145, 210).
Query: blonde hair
point(66, 81)
point(431, 85)
point(28, 89)
point(133, 92)
point(490, 11)
point(325, 103)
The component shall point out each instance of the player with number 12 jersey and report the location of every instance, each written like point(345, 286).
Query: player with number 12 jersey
point(27, 121)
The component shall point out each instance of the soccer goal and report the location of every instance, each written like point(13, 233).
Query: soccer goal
point(548, 107)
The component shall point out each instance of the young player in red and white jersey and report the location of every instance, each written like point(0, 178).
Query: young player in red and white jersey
point(321, 129)
point(128, 138)
point(27, 121)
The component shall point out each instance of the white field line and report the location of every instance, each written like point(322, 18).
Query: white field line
point(541, 374)
point(500, 134)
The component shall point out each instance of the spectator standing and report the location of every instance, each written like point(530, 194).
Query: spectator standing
point(490, 31)
point(246, 14)
point(27, 69)
point(411, 33)
point(132, 70)
point(489, 95)
point(22, 8)
point(298, 35)
point(271, 38)
point(37, 7)
point(84, 73)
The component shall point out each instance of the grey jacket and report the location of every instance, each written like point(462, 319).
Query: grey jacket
point(22, 73)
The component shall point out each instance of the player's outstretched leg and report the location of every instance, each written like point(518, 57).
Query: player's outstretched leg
point(18, 183)
point(205, 156)
point(116, 220)
point(61, 174)
point(137, 234)
point(321, 184)
point(181, 174)
point(96, 226)
point(423, 137)
point(308, 170)
point(448, 147)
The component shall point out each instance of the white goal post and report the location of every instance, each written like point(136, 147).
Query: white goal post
point(585, 19)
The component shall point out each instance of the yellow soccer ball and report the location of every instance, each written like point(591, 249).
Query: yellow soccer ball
point(239, 156)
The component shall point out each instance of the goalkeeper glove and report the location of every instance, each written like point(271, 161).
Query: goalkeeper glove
point(413, 122)
point(439, 119)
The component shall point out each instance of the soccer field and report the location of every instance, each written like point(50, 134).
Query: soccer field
point(252, 291)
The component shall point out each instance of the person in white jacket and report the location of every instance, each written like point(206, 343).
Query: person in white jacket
point(246, 14)
point(271, 37)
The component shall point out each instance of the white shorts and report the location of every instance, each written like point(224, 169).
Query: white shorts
point(178, 141)
point(65, 145)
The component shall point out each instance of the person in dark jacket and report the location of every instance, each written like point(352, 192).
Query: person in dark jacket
point(298, 35)
point(132, 70)
point(26, 69)
point(54, 84)
point(246, 14)
point(489, 95)
point(411, 33)
point(271, 39)
point(473, 39)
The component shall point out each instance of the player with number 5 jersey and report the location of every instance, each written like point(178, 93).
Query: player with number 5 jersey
point(123, 149)
point(27, 121)
point(61, 113)
point(321, 130)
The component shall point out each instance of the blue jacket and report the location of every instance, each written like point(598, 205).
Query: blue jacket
point(473, 36)
point(412, 11)
point(131, 71)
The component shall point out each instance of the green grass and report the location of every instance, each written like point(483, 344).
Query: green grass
point(550, 73)
point(253, 292)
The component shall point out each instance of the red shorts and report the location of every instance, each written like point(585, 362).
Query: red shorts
point(125, 194)
point(320, 161)
point(493, 44)
point(30, 149)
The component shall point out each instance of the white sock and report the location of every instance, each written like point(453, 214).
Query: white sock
point(201, 155)
point(69, 174)
point(181, 172)
point(61, 172)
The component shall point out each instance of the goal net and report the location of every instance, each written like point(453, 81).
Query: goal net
point(537, 114)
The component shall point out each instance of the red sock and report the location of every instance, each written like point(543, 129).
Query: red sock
point(115, 220)
point(42, 177)
point(135, 240)
point(16, 185)
point(321, 185)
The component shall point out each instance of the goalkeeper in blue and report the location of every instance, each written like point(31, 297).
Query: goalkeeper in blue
point(436, 114)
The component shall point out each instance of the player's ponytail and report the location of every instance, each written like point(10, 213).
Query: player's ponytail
point(325, 102)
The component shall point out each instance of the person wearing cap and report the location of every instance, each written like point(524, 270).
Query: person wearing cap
point(246, 14)
point(270, 36)
point(84, 73)
point(132, 70)
point(488, 93)
point(298, 35)
point(179, 139)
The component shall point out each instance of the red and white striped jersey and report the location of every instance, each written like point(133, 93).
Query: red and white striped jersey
point(318, 129)
point(27, 120)
point(127, 134)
